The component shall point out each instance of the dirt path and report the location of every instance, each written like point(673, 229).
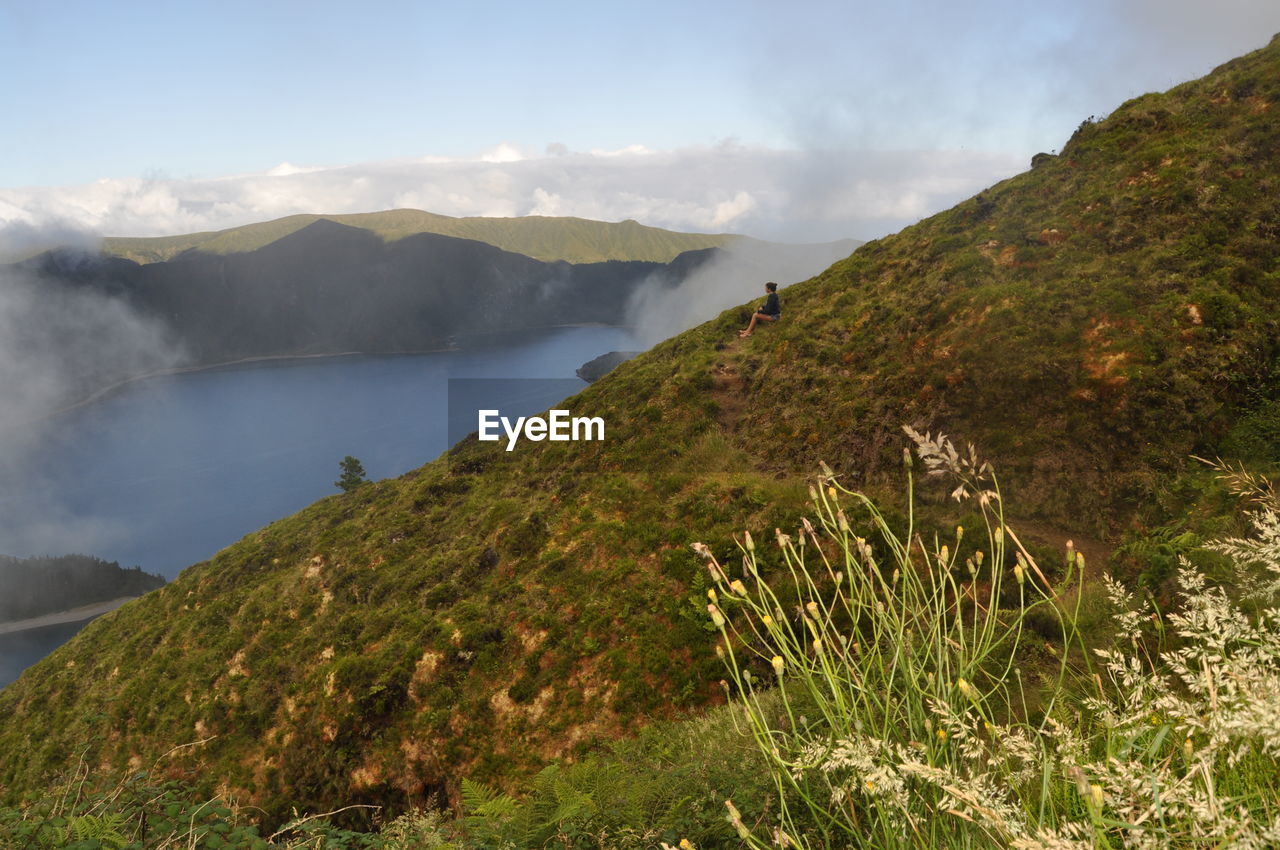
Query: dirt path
point(72, 615)
point(1096, 552)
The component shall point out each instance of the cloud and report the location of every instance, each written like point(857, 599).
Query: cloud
point(57, 345)
point(793, 195)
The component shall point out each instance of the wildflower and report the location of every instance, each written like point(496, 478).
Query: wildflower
point(945, 554)
point(841, 521)
point(720, 651)
point(812, 608)
point(1187, 749)
point(959, 533)
point(750, 544)
point(978, 556)
point(738, 587)
point(1018, 573)
point(686, 844)
point(1096, 798)
point(831, 491)
point(711, 594)
point(716, 616)
point(817, 645)
point(777, 664)
point(942, 734)
point(967, 689)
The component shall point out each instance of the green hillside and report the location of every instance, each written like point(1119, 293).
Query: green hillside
point(1089, 324)
point(574, 240)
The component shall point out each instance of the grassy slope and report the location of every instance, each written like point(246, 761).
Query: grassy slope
point(574, 240)
point(1087, 323)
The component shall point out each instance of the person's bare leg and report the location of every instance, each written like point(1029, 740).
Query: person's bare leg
point(755, 318)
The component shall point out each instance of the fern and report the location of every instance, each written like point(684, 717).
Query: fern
point(105, 829)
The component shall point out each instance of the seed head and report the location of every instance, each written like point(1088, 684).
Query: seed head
point(736, 819)
point(716, 616)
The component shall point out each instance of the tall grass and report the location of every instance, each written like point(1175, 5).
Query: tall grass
point(922, 710)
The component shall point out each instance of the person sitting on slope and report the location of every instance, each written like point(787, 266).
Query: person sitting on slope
point(768, 312)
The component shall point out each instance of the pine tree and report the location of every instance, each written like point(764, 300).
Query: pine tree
point(353, 475)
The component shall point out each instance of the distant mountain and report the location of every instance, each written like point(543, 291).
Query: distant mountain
point(36, 586)
point(330, 288)
point(574, 240)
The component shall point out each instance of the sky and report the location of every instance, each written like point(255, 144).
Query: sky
point(804, 121)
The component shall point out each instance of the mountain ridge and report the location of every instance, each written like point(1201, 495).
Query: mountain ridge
point(546, 238)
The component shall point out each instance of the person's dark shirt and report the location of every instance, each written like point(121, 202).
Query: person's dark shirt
point(771, 307)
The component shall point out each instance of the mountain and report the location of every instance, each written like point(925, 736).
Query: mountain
point(547, 238)
point(330, 288)
point(1088, 324)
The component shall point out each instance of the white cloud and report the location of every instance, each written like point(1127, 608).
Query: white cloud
point(773, 194)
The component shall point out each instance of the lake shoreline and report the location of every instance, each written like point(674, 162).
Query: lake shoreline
point(99, 395)
point(82, 613)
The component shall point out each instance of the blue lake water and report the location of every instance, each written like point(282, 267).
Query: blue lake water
point(167, 471)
